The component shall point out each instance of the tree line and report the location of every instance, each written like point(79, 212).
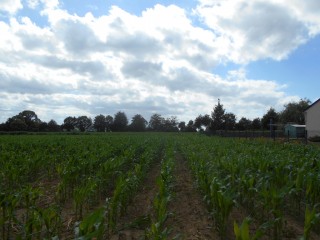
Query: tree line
point(219, 119)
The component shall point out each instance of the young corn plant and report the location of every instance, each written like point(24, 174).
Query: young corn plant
point(157, 231)
point(32, 220)
point(312, 217)
point(221, 203)
point(92, 226)
point(82, 194)
point(8, 203)
point(273, 199)
point(126, 187)
point(243, 232)
point(51, 218)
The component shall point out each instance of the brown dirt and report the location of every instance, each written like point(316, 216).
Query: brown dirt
point(132, 226)
point(190, 218)
point(294, 228)
point(49, 189)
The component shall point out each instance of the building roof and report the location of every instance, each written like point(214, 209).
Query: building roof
point(312, 105)
point(296, 125)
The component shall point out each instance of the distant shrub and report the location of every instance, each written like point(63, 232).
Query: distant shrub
point(314, 139)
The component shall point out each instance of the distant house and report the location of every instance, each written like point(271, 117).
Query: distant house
point(294, 130)
point(312, 119)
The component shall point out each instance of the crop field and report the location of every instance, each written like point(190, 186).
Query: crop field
point(157, 186)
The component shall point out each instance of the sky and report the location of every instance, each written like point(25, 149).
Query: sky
point(64, 58)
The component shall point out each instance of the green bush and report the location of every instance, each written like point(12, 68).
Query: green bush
point(314, 139)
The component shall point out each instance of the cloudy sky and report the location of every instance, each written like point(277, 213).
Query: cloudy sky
point(64, 58)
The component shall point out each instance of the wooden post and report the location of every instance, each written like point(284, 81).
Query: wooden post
point(306, 136)
point(271, 127)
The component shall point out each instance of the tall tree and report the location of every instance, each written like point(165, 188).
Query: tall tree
point(202, 121)
point(182, 126)
point(69, 123)
point(198, 122)
point(26, 120)
point(217, 115)
point(83, 123)
point(109, 123)
point(229, 120)
point(120, 122)
point(244, 124)
point(170, 124)
point(294, 111)
point(43, 127)
point(206, 120)
point(138, 123)
point(3, 127)
point(156, 122)
point(256, 124)
point(53, 126)
point(99, 123)
point(190, 127)
point(271, 114)
point(30, 118)
point(17, 124)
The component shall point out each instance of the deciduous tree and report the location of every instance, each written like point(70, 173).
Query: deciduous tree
point(190, 127)
point(229, 121)
point(120, 122)
point(99, 123)
point(244, 124)
point(53, 126)
point(138, 123)
point(109, 123)
point(182, 126)
point(294, 111)
point(26, 120)
point(69, 123)
point(83, 123)
point(202, 121)
point(271, 114)
point(256, 124)
point(156, 122)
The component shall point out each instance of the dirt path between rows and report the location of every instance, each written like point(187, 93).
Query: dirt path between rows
point(190, 219)
point(132, 226)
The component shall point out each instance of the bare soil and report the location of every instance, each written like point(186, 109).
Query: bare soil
point(132, 226)
point(49, 189)
point(190, 218)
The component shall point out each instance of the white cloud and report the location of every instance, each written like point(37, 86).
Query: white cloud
point(156, 62)
point(260, 29)
point(50, 4)
point(33, 3)
point(10, 6)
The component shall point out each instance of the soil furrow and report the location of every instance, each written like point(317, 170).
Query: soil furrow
point(190, 218)
point(137, 218)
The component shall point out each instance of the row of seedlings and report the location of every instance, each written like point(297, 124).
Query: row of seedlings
point(22, 214)
point(157, 229)
point(102, 222)
point(262, 177)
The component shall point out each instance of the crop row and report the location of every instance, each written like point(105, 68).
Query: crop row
point(269, 180)
point(84, 171)
point(78, 186)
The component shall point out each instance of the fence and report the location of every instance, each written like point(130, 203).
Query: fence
point(250, 134)
point(274, 134)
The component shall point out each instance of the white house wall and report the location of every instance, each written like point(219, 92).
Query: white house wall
point(312, 118)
